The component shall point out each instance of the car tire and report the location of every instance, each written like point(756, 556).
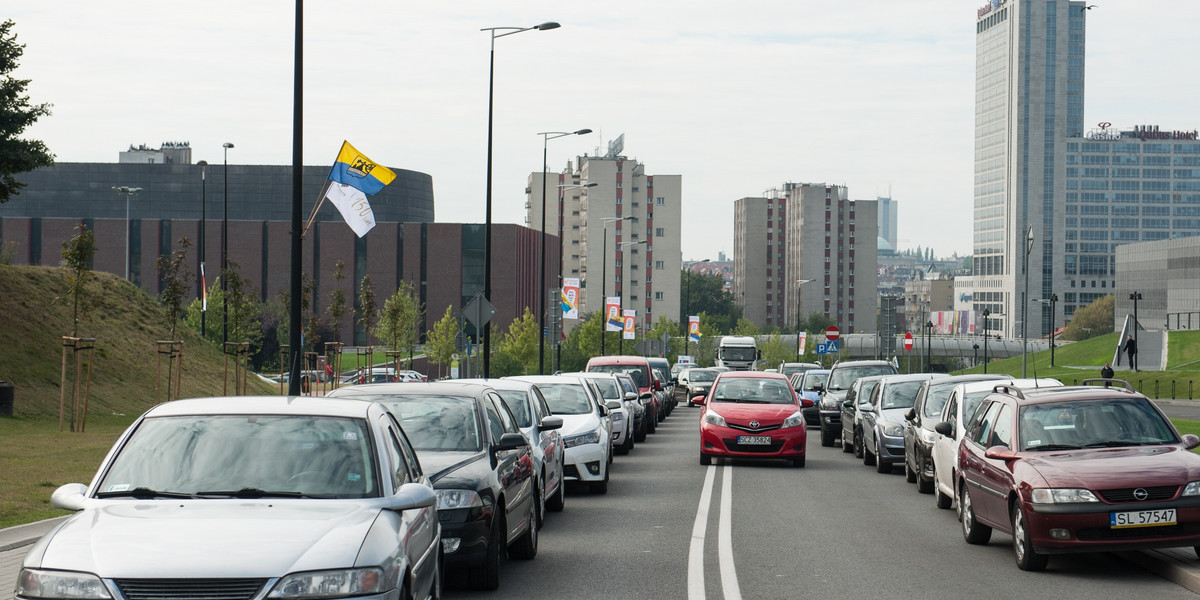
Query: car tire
point(557, 502)
point(943, 501)
point(973, 531)
point(651, 420)
point(526, 546)
point(867, 455)
point(847, 444)
point(705, 459)
point(910, 476)
point(627, 447)
point(486, 576)
point(827, 437)
point(641, 432)
point(1027, 558)
point(539, 500)
point(858, 445)
point(799, 462)
point(881, 466)
point(924, 486)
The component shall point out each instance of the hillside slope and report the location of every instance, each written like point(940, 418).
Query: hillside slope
point(35, 312)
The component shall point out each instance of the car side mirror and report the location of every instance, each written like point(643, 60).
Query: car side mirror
point(807, 403)
point(631, 396)
point(550, 422)
point(614, 405)
point(657, 385)
point(819, 388)
point(647, 396)
point(511, 441)
point(945, 428)
point(911, 415)
point(71, 496)
point(1000, 453)
point(412, 495)
point(698, 399)
point(1190, 441)
point(866, 407)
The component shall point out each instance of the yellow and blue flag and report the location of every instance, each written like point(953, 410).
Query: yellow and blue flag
point(354, 169)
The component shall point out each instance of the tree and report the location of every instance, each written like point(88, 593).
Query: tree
point(710, 336)
point(337, 300)
point(174, 275)
point(705, 293)
point(520, 344)
point(16, 113)
point(745, 327)
point(77, 254)
point(400, 318)
point(816, 323)
point(366, 306)
point(671, 328)
point(439, 343)
point(775, 351)
point(1092, 320)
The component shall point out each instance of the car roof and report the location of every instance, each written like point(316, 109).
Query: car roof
point(413, 388)
point(859, 363)
point(886, 379)
point(957, 379)
point(500, 383)
point(752, 375)
point(1024, 384)
point(869, 378)
point(618, 360)
point(565, 378)
point(814, 372)
point(1075, 393)
point(260, 405)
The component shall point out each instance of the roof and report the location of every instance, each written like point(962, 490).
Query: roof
point(617, 360)
point(1075, 393)
point(752, 375)
point(499, 383)
point(1024, 384)
point(911, 377)
point(262, 405)
point(414, 388)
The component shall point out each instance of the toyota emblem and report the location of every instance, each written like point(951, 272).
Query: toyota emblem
point(1140, 494)
point(755, 424)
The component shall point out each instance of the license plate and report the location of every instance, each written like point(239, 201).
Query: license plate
point(754, 440)
point(1142, 518)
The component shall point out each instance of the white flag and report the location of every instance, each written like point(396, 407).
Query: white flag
point(353, 205)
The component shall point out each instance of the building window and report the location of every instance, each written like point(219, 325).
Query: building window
point(658, 295)
point(658, 264)
point(658, 232)
point(660, 201)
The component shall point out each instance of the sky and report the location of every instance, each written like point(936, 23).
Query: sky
point(736, 97)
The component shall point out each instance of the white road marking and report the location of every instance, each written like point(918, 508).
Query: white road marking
point(729, 581)
point(696, 550)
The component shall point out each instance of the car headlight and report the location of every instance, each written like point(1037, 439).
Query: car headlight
point(928, 436)
point(33, 583)
point(591, 437)
point(330, 584)
point(1192, 489)
point(1063, 496)
point(618, 417)
point(448, 499)
point(795, 419)
point(713, 418)
point(892, 429)
point(830, 404)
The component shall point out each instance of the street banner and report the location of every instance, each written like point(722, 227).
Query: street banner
point(570, 298)
point(612, 312)
point(803, 342)
point(630, 321)
point(694, 328)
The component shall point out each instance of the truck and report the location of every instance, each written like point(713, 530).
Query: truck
point(738, 353)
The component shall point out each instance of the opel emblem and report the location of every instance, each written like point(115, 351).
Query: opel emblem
point(1140, 494)
point(755, 424)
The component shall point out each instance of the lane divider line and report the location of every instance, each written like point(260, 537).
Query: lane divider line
point(695, 574)
point(729, 581)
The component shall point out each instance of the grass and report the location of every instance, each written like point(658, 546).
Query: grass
point(1183, 350)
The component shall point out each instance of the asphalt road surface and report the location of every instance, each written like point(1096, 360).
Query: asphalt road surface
point(671, 528)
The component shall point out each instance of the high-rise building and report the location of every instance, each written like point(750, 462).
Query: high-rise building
point(1050, 193)
point(887, 220)
point(758, 259)
point(620, 236)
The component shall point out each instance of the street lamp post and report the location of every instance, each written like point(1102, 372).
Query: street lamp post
point(546, 137)
point(687, 309)
point(621, 295)
point(1025, 305)
point(604, 277)
point(203, 223)
point(974, 355)
point(928, 340)
point(128, 191)
point(225, 253)
point(986, 313)
point(799, 284)
point(1135, 296)
point(487, 227)
point(1051, 300)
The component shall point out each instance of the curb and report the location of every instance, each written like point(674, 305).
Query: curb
point(1171, 564)
point(25, 535)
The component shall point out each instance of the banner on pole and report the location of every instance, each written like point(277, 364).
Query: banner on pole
point(630, 324)
point(803, 342)
point(694, 328)
point(612, 312)
point(570, 298)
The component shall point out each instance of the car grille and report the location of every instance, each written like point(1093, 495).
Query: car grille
point(733, 446)
point(1101, 534)
point(1165, 492)
point(751, 429)
point(190, 589)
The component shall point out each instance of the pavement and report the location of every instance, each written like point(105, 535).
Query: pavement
point(14, 543)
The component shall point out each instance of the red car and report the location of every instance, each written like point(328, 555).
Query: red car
point(752, 414)
point(1076, 469)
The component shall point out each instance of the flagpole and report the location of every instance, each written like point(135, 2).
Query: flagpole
point(313, 215)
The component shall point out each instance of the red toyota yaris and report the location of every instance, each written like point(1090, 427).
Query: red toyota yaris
point(752, 414)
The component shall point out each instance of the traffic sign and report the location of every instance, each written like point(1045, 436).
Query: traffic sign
point(479, 311)
point(830, 347)
point(832, 333)
point(908, 341)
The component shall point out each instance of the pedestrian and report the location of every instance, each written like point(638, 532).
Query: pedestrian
point(1131, 349)
point(1106, 373)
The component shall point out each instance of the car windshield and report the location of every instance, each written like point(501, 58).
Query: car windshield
point(812, 380)
point(699, 376)
point(970, 402)
point(739, 354)
point(608, 388)
point(935, 400)
point(1093, 423)
point(437, 423)
point(754, 390)
point(901, 394)
point(518, 404)
point(843, 378)
point(566, 398)
point(635, 372)
point(245, 456)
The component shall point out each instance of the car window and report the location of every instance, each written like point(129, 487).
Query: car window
point(982, 425)
point(540, 407)
point(935, 400)
point(812, 380)
point(699, 376)
point(506, 417)
point(1002, 428)
point(495, 425)
point(900, 394)
point(400, 471)
point(608, 388)
point(840, 379)
point(754, 391)
point(636, 372)
point(437, 423)
point(518, 403)
point(1111, 422)
point(951, 412)
point(566, 398)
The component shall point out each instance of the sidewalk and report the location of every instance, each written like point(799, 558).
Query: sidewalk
point(14, 543)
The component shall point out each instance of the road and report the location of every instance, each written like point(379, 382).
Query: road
point(835, 529)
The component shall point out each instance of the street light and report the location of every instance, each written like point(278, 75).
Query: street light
point(128, 191)
point(225, 253)
point(1135, 296)
point(203, 223)
point(621, 295)
point(604, 277)
point(986, 313)
point(561, 260)
point(1053, 299)
point(799, 284)
point(546, 137)
point(928, 339)
point(487, 227)
point(683, 320)
point(1025, 305)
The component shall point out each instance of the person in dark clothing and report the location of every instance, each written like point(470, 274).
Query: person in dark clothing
point(1106, 373)
point(1131, 349)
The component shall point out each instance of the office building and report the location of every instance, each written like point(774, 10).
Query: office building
point(759, 237)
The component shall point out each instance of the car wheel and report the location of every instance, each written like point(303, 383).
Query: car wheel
point(705, 459)
point(1027, 558)
point(651, 421)
point(974, 532)
point(924, 486)
point(858, 446)
point(559, 500)
point(799, 462)
point(487, 575)
point(826, 437)
point(641, 432)
point(881, 466)
point(847, 442)
point(628, 445)
point(909, 475)
point(1196, 549)
point(539, 500)
point(526, 546)
point(943, 501)
point(867, 455)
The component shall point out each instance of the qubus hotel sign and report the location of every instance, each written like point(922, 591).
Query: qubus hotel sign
point(1142, 132)
point(989, 7)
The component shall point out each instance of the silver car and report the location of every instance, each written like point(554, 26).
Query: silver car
point(622, 417)
point(249, 497)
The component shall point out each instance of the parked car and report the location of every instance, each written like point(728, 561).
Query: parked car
point(1078, 469)
point(851, 414)
point(961, 403)
point(752, 414)
point(586, 431)
point(812, 383)
point(274, 496)
point(637, 404)
point(883, 418)
point(694, 382)
point(638, 369)
point(534, 419)
point(791, 368)
point(841, 376)
point(662, 367)
point(919, 435)
point(621, 412)
point(481, 466)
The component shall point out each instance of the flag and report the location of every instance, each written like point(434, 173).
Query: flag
point(630, 320)
point(612, 312)
point(570, 298)
point(895, 362)
point(694, 328)
point(802, 342)
point(355, 177)
point(353, 205)
point(203, 290)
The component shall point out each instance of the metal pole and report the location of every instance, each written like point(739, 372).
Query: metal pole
point(1053, 327)
point(487, 218)
point(1025, 303)
point(128, 233)
point(603, 288)
point(297, 204)
point(225, 249)
point(542, 275)
point(798, 286)
point(203, 226)
point(986, 313)
point(687, 335)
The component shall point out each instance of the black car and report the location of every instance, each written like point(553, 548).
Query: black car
point(481, 466)
point(841, 376)
point(918, 427)
point(849, 417)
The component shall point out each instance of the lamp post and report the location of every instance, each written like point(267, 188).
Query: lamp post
point(799, 284)
point(1051, 300)
point(128, 191)
point(986, 313)
point(1135, 296)
point(621, 295)
point(487, 227)
point(974, 355)
point(558, 230)
point(203, 223)
point(1025, 305)
point(688, 307)
point(928, 340)
point(546, 137)
point(604, 277)
point(225, 252)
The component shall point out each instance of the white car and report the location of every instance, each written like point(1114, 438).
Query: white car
point(960, 405)
point(586, 430)
point(622, 417)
